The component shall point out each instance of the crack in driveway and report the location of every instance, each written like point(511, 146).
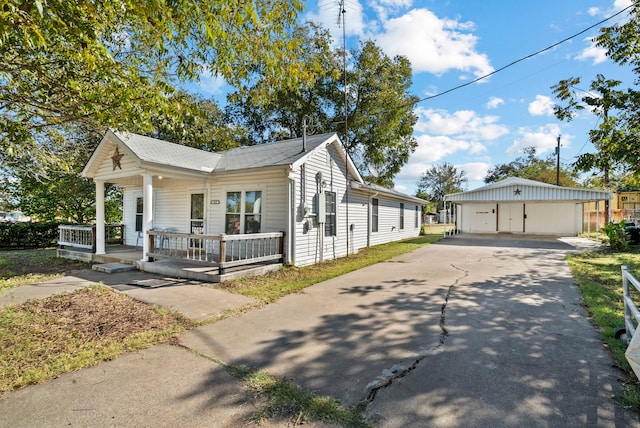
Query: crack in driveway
point(398, 371)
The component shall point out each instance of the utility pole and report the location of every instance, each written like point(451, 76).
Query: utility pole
point(558, 163)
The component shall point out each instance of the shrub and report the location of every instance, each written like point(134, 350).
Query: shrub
point(616, 236)
point(28, 235)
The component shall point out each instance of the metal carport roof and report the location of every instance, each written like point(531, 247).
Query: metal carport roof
point(517, 189)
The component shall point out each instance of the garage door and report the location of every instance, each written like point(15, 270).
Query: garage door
point(511, 218)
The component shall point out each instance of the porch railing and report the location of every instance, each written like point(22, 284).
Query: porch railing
point(76, 236)
point(223, 250)
point(84, 236)
point(631, 312)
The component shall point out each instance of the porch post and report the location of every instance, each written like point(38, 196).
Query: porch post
point(147, 213)
point(100, 238)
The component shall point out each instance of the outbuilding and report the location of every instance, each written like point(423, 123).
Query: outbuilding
point(521, 206)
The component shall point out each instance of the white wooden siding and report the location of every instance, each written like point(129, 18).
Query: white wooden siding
point(273, 186)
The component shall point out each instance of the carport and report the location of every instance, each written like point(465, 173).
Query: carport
point(520, 206)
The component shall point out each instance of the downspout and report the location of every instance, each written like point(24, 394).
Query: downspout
point(321, 220)
point(369, 217)
point(291, 223)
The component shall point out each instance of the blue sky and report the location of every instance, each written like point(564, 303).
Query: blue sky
point(453, 42)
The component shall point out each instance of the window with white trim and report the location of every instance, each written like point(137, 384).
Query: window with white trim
point(243, 212)
point(374, 214)
point(401, 216)
point(330, 214)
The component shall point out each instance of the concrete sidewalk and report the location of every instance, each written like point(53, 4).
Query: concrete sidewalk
point(470, 331)
point(191, 298)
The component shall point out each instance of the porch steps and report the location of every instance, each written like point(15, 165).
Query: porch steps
point(113, 267)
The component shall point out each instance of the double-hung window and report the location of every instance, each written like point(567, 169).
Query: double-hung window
point(374, 215)
point(243, 212)
point(330, 214)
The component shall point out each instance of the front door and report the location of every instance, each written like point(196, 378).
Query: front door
point(511, 218)
point(196, 221)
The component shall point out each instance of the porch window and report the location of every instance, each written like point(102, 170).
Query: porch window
point(139, 213)
point(252, 212)
point(244, 212)
point(374, 215)
point(401, 216)
point(330, 214)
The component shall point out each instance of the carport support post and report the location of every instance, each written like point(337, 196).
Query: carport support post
point(100, 235)
point(597, 219)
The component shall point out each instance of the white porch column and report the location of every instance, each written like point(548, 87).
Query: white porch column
point(100, 238)
point(147, 213)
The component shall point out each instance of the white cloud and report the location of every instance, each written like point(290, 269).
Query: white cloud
point(594, 11)
point(541, 106)
point(432, 44)
point(212, 85)
point(544, 139)
point(464, 124)
point(494, 102)
point(594, 53)
point(475, 171)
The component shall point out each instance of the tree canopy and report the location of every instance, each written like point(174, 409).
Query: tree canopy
point(379, 113)
point(529, 166)
point(617, 137)
point(114, 63)
point(440, 180)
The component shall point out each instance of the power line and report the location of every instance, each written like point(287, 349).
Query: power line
point(520, 59)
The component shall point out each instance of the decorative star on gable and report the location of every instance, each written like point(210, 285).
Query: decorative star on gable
point(517, 192)
point(115, 159)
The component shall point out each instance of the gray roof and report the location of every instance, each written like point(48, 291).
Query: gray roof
point(162, 152)
point(273, 154)
point(281, 153)
point(517, 189)
point(374, 188)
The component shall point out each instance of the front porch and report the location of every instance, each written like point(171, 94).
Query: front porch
point(210, 258)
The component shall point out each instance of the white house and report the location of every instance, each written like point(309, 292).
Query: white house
point(520, 206)
point(307, 188)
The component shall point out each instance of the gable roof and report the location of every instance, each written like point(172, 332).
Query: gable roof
point(516, 189)
point(151, 152)
point(162, 152)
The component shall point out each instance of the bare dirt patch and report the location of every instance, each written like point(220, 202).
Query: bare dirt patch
point(41, 339)
point(98, 314)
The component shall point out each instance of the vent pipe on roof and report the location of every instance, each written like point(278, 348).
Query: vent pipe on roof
point(305, 119)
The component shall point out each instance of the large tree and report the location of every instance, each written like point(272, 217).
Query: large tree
point(531, 167)
point(440, 180)
point(617, 138)
point(115, 63)
point(379, 114)
point(607, 102)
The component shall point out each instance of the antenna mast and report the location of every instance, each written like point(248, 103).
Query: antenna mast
point(341, 14)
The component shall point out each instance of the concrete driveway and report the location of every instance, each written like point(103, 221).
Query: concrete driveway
point(471, 331)
point(468, 332)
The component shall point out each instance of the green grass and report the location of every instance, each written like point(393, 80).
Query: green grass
point(288, 401)
point(599, 277)
point(47, 352)
point(24, 267)
point(42, 339)
point(274, 285)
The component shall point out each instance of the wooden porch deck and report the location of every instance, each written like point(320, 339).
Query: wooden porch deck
point(183, 269)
